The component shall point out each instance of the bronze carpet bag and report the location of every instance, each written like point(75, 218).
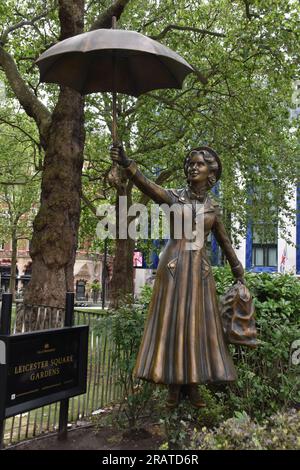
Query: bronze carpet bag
point(237, 313)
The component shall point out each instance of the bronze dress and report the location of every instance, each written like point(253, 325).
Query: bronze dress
point(183, 341)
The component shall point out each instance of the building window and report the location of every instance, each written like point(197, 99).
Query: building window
point(264, 246)
point(213, 251)
point(80, 290)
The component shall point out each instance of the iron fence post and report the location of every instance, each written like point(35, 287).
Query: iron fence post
point(5, 321)
point(104, 274)
point(64, 404)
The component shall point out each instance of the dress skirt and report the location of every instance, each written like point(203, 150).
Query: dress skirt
point(183, 341)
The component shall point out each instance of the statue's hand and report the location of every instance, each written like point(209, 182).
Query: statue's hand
point(117, 154)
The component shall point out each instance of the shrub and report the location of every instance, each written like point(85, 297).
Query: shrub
point(126, 325)
point(178, 423)
point(279, 432)
point(267, 381)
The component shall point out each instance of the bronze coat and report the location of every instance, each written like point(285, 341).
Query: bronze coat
point(183, 340)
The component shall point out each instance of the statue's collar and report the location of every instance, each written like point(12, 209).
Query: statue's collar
point(185, 196)
point(194, 197)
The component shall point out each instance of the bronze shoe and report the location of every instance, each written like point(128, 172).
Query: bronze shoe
point(173, 396)
point(194, 396)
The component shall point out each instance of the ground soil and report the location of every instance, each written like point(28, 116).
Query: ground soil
point(106, 438)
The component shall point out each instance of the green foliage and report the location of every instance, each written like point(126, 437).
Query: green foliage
point(248, 63)
point(178, 423)
point(279, 432)
point(126, 325)
point(95, 286)
point(19, 178)
point(267, 381)
point(223, 278)
point(241, 110)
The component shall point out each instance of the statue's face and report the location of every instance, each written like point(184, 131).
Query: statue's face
point(197, 170)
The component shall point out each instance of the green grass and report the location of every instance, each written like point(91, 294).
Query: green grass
point(97, 310)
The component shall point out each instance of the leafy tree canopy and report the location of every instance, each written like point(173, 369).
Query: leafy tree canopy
point(246, 54)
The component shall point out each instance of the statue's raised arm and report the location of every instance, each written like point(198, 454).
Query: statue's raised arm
point(148, 187)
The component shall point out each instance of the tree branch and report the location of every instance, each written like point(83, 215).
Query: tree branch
point(104, 20)
point(162, 178)
point(89, 204)
point(249, 15)
point(31, 104)
point(20, 24)
point(171, 27)
point(15, 126)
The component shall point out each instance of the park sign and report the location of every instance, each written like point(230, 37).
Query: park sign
point(41, 368)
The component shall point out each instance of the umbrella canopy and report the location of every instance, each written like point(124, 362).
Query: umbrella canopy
point(113, 60)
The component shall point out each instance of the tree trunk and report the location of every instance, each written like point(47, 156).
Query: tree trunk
point(55, 229)
point(13, 272)
point(54, 242)
point(122, 279)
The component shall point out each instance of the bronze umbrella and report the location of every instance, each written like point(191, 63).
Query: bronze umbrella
point(113, 60)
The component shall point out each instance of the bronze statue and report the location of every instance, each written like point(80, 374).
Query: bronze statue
point(184, 343)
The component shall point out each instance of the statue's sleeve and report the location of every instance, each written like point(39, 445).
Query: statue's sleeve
point(223, 239)
point(153, 190)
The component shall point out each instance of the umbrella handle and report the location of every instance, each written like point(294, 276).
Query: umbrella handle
point(114, 95)
point(114, 120)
